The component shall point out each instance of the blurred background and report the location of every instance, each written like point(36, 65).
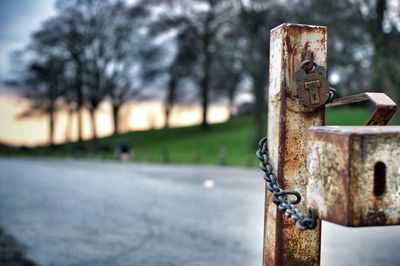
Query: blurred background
point(78, 76)
point(179, 82)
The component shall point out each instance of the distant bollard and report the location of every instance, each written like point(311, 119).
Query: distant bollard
point(132, 153)
point(249, 161)
point(165, 156)
point(222, 156)
point(122, 152)
point(196, 159)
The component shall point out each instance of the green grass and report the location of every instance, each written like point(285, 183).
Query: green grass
point(347, 116)
point(191, 144)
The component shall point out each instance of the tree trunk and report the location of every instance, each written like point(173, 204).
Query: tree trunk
point(80, 124)
point(68, 128)
point(260, 75)
point(167, 112)
point(206, 73)
point(260, 110)
point(204, 90)
point(51, 127)
point(115, 110)
point(79, 99)
point(382, 78)
point(170, 100)
point(93, 121)
point(204, 123)
point(380, 42)
point(231, 98)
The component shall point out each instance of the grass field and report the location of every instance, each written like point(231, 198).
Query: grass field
point(235, 138)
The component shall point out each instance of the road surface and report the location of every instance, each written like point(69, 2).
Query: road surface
point(70, 212)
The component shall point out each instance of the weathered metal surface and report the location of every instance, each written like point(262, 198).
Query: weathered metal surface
point(384, 107)
point(345, 186)
point(288, 122)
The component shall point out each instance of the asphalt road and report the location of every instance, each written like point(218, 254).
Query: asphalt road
point(69, 212)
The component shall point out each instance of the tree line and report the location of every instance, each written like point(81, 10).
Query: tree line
point(193, 50)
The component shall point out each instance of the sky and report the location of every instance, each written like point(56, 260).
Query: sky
point(18, 20)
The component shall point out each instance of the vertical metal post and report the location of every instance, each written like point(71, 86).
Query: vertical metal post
point(288, 122)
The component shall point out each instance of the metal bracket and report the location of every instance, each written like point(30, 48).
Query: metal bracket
point(384, 107)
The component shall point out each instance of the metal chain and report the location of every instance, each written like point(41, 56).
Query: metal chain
point(332, 94)
point(279, 195)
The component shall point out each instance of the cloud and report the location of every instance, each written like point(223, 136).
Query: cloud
point(18, 20)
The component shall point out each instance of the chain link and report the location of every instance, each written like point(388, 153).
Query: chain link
point(332, 94)
point(280, 196)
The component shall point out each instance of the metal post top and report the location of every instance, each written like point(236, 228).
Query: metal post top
point(300, 26)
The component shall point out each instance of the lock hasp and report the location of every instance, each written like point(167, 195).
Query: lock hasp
point(354, 174)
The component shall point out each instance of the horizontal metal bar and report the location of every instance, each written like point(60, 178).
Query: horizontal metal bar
point(384, 106)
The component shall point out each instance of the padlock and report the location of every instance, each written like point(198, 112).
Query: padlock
point(312, 86)
point(354, 174)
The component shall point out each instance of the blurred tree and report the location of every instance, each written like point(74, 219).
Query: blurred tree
point(215, 18)
point(125, 42)
point(349, 47)
point(228, 63)
point(257, 17)
point(180, 68)
point(196, 25)
point(43, 86)
point(69, 36)
point(364, 42)
point(379, 22)
point(103, 42)
point(98, 44)
point(42, 75)
point(85, 40)
point(174, 60)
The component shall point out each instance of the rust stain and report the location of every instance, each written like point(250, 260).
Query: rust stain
point(279, 251)
point(269, 251)
point(298, 53)
point(375, 218)
point(331, 166)
point(293, 48)
point(306, 53)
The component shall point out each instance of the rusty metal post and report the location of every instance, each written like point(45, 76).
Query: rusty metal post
point(288, 122)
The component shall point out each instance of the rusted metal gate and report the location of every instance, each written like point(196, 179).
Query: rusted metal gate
point(335, 163)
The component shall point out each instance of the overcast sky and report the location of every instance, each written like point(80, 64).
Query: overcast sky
point(18, 19)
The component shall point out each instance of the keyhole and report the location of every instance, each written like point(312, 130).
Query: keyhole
point(314, 96)
point(379, 179)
